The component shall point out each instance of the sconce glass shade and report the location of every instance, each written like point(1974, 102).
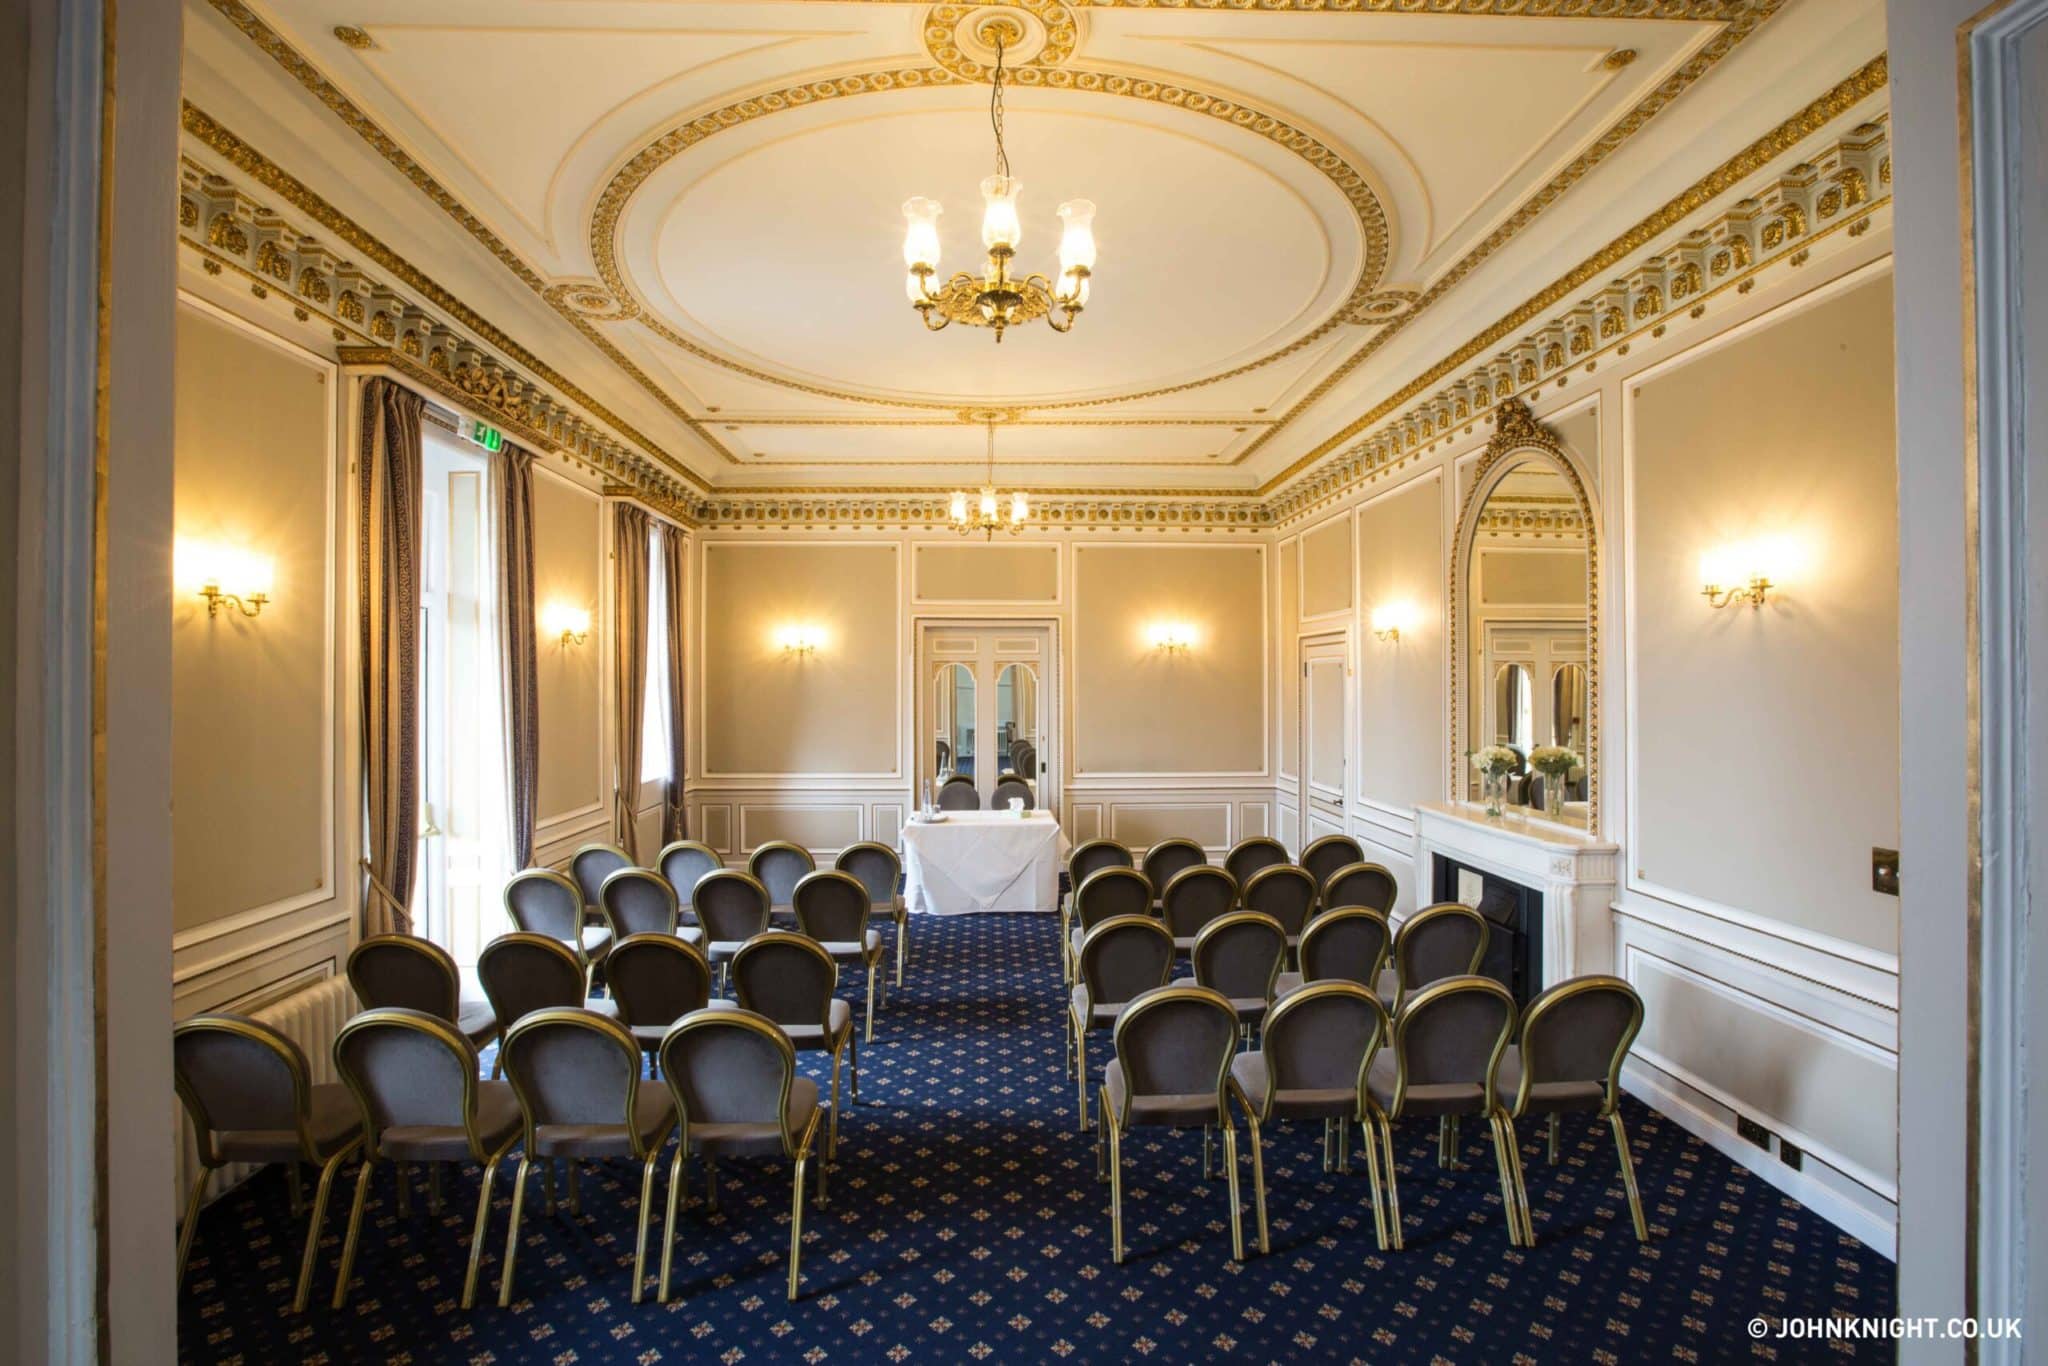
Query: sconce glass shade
point(988, 505)
point(1077, 236)
point(921, 233)
point(1000, 225)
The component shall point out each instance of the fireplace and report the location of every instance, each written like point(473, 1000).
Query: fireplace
point(1514, 915)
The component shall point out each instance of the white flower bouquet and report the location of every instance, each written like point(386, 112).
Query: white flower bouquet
point(1496, 761)
point(1553, 761)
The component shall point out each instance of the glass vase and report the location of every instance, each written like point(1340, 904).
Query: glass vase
point(1493, 789)
point(1553, 795)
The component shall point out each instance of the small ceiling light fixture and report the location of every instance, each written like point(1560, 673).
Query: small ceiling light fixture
point(1389, 619)
point(569, 624)
point(994, 299)
point(987, 515)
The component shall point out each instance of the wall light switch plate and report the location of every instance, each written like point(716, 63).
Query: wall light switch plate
point(1884, 871)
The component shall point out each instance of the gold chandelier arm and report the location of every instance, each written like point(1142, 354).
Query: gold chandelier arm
point(1052, 320)
point(926, 312)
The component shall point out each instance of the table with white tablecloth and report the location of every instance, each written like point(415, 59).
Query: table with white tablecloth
point(983, 861)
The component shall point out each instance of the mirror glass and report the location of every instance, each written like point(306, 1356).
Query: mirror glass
point(1017, 720)
point(1525, 630)
point(954, 707)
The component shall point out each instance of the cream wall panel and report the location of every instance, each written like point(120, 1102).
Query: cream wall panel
point(1142, 824)
point(986, 573)
point(767, 712)
point(568, 559)
point(1401, 683)
point(1286, 628)
point(253, 740)
point(821, 826)
point(1533, 578)
point(1775, 730)
point(714, 826)
point(1326, 569)
point(1137, 709)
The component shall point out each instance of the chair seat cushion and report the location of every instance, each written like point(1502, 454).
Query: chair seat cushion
point(1181, 945)
point(1250, 1009)
point(1097, 1014)
point(690, 934)
point(720, 950)
point(1546, 1097)
point(655, 1111)
point(597, 942)
point(332, 1120)
point(804, 1036)
point(1423, 1101)
point(497, 1121)
point(757, 1140)
point(846, 951)
point(1286, 982)
point(1250, 1070)
point(1178, 1112)
point(476, 1020)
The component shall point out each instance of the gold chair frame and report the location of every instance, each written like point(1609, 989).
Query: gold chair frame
point(869, 959)
point(623, 875)
point(761, 851)
point(839, 1049)
point(1323, 902)
point(1066, 907)
point(562, 879)
point(897, 910)
point(1078, 1029)
point(1403, 989)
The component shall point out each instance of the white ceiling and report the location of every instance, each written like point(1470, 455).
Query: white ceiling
point(763, 256)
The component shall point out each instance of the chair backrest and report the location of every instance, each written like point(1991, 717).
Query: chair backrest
point(636, 901)
point(958, 794)
point(1248, 856)
point(592, 864)
point(405, 1069)
point(1010, 789)
point(779, 865)
point(1579, 1031)
point(406, 971)
point(831, 907)
point(877, 867)
point(1176, 1041)
point(1444, 940)
point(1283, 891)
point(1322, 1038)
point(522, 973)
point(1195, 896)
point(945, 753)
point(730, 1067)
point(787, 977)
point(657, 979)
point(1024, 757)
point(1348, 944)
point(1452, 1033)
point(1168, 857)
point(577, 1067)
point(1240, 955)
point(239, 1074)
point(1327, 855)
point(1125, 957)
point(685, 863)
point(1111, 892)
point(730, 905)
point(543, 901)
point(1361, 884)
point(1092, 856)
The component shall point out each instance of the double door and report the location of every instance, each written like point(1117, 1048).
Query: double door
point(986, 707)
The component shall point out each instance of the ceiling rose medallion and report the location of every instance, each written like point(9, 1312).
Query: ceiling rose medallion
point(995, 299)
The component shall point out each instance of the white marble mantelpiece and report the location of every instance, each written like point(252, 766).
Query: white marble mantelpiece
point(1575, 873)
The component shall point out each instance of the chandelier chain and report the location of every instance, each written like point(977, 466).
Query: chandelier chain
point(995, 113)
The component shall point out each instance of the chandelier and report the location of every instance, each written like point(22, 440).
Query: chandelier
point(994, 299)
point(987, 516)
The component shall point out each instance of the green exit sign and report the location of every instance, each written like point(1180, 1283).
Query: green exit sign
point(490, 438)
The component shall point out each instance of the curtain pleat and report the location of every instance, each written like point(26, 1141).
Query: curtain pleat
point(630, 527)
point(674, 814)
point(518, 633)
point(388, 489)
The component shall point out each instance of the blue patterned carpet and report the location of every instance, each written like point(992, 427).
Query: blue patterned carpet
point(966, 1223)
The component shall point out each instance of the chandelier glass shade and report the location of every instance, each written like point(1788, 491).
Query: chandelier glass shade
point(995, 298)
point(985, 515)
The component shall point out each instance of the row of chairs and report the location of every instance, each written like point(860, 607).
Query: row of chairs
point(958, 793)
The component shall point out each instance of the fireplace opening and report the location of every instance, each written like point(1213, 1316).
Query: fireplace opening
point(1514, 914)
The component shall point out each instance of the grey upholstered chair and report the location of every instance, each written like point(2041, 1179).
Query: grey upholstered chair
point(1023, 758)
point(656, 979)
point(1009, 789)
point(1326, 856)
point(881, 872)
point(1349, 944)
point(1192, 899)
point(1312, 1064)
point(1239, 956)
point(252, 1098)
point(1169, 857)
point(779, 866)
point(732, 907)
point(958, 793)
point(591, 865)
point(1447, 1044)
point(1248, 856)
point(636, 901)
point(1286, 893)
point(733, 1077)
point(577, 1078)
point(414, 1079)
point(1108, 892)
point(944, 754)
point(543, 901)
point(417, 974)
point(1119, 959)
point(1087, 857)
point(1574, 1039)
point(522, 973)
point(684, 863)
point(832, 908)
point(1444, 940)
point(1172, 1070)
point(1361, 884)
point(791, 980)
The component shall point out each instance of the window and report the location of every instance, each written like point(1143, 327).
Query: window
point(654, 712)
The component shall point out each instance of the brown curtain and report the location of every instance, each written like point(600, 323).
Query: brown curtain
point(388, 584)
point(518, 630)
point(674, 816)
point(630, 526)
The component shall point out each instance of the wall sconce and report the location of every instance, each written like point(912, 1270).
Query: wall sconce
point(1744, 572)
point(224, 574)
point(1389, 619)
point(799, 640)
point(1172, 637)
point(568, 623)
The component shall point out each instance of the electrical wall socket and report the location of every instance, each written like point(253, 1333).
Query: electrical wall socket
point(1753, 1131)
point(1884, 871)
point(1791, 1154)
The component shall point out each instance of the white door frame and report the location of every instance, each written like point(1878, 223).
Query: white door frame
point(1052, 717)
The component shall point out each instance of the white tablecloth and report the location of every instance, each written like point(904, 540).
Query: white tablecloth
point(983, 861)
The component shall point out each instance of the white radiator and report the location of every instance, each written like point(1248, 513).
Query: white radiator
point(310, 1018)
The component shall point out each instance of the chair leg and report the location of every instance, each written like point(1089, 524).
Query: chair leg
point(678, 1177)
point(404, 1191)
point(1208, 1162)
point(575, 1191)
point(871, 1000)
point(1081, 1072)
point(355, 1229)
point(1507, 1181)
point(711, 1185)
point(295, 1188)
point(1329, 1137)
point(902, 944)
point(1628, 1176)
point(853, 1071)
point(434, 1187)
point(1368, 1132)
point(1386, 1125)
point(832, 1133)
point(1344, 1147)
point(548, 1173)
point(1554, 1119)
point(640, 1242)
point(191, 1219)
point(512, 1233)
point(1521, 1183)
point(1116, 1182)
point(1258, 1181)
point(483, 1224)
point(796, 1218)
point(320, 1194)
point(1236, 1221)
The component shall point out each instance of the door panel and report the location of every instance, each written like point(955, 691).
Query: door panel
point(1325, 733)
point(986, 705)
